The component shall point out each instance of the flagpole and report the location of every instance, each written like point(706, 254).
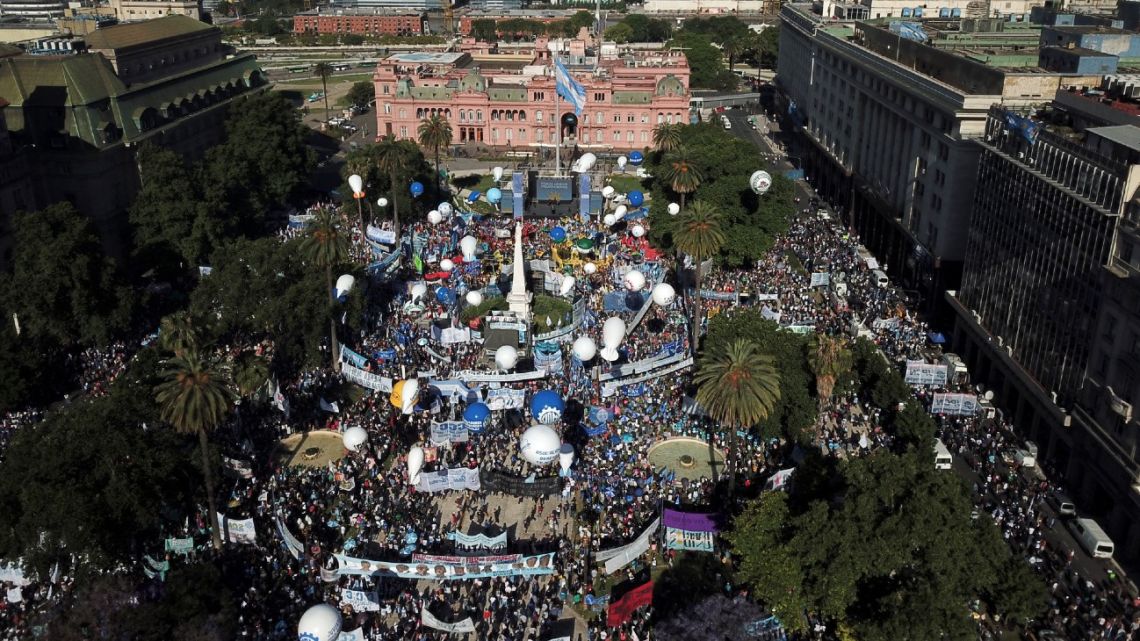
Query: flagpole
point(558, 128)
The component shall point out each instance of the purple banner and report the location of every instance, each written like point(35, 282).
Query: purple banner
point(692, 522)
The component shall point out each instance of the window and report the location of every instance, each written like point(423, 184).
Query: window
point(479, 115)
point(939, 177)
point(660, 118)
point(617, 117)
point(403, 113)
point(538, 115)
point(645, 136)
point(617, 136)
point(629, 117)
point(387, 108)
point(599, 97)
point(522, 135)
point(599, 136)
point(538, 134)
point(629, 136)
point(403, 132)
point(943, 151)
point(462, 116)
point(644, 118)
point(539, 96)
point(599, 118)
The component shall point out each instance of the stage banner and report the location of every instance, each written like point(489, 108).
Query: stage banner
point(180, 546)
point(954, 404)
point(525, 566)
point(448, 432)
point(362, 378)
point(517, 194)
point(467, 560)
point(619, 557)
point(292, 543)
point(494, 481)
point(349, 356)
point(923, 373)
point(360, 600)
point(479, 541)
point(622, 609)
point(689, 531)
point(584, 197)
point(459, 627)
point(458, 478)
point(237, 530)
point(505, 399)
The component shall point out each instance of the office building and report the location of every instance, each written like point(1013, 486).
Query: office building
point(403, 5)
point(136, 10)
point(509, 101)
point(15, 186)
point(1048, 299)
point(364, 22)
point(32, 10)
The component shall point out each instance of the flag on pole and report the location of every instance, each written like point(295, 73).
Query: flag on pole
point(568, 88)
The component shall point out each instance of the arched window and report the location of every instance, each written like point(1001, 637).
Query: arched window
point(522, 116)
point(479, 115)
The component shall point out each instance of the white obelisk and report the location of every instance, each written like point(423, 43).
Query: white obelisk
point(519, 299)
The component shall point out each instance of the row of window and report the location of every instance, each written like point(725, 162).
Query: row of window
point(520, 135)
point(512, 115)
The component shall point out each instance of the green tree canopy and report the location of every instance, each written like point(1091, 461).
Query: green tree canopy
point(361, 93)
point(173, 230)
point(706, 63)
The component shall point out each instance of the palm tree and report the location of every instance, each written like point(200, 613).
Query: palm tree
point(683, 176)
point(177, 334)
point(667, 137)
point(435, 133)
point(732, 48)
point(326, 246)
point(391, 157)
point(699, 234)
point(324, 70)
point(828, 358)
point(194, 398)
point(738, 387)
point(251, 373)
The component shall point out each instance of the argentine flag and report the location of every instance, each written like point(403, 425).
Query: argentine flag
point(568, 88)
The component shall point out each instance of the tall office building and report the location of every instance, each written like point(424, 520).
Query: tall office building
point(1048, 298)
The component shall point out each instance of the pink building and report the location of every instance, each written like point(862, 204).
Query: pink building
point(508, 99)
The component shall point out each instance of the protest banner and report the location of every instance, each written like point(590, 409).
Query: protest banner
point(459, 627)
point(505, 399)
point(494, 481)
point(179, 546)
point(362, 378)
point(292, 543)
point(689, 531)
point(923, 373)
point(622, 609)
point(478, 541)
point(954, 404)
point(467, 560)
point(619, 557)
point(448, 432)
point(237, 468)
point(237, 530)
point(457, 478)
point(359, 600)
point(349, 356)
point(778, 480)
point(524, 566)
point(820, 279)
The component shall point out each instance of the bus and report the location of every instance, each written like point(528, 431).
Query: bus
point(341, 67)
point(298, 69)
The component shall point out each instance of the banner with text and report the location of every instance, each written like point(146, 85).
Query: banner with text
point(689, 531)
point(619, 557)
point(237, 530)
point(923, 373)
point(479, 541)
point(954, 404)
point(459, 627)
point(525, 566)
point(448, 432)
point(457, 478)
point(494, 481)
point(360, 600)
point(362, 378)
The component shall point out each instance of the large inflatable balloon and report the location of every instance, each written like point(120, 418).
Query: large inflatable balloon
point(497, 173)
point(419, 290)
point(636, 198)
point(634, 280)
point(476, 416)
point(356, 183)
point(613, 332)
point(609, 220)
point(446, 265)
point(638, 231)
point(539, 444)
point(444, 295)
point(405, 394)
point(674, 209)
point(608, 191)
point(506, 357)
point(558, 234)
point(584, 348)
point(468, 245)
point(567, 286)
point(636, 157)
point(620, 212)
point(417, 189)
point(319, 623)
point(474, 298)
point(434, 217)
point(344, 285)
point(354, 437)
point(621, 162)
point(445, 210)
point(494, 195)
point(382, 201)
point(585, 163)
point(565, 457)
point(546, 407)
point(760, 182)
point(664, 294)
point(590, 268)
point(415, 464)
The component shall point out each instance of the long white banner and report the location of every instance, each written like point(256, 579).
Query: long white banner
point(448, 432)
point(365, 379)
point(526, 566)
point(360, 600)
point(619, 557)
point(296, 549)
point(237, 530)
point(479, 541)
point(457, 478)
point(429, 620)
point(611, 388)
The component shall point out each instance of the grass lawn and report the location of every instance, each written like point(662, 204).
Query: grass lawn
point(481, 183)
point(624, 183)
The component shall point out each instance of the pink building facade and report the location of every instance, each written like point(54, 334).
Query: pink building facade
point(509, 101)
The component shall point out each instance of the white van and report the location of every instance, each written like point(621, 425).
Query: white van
point(942, 458)
point(1092, 538)
point(880, 278)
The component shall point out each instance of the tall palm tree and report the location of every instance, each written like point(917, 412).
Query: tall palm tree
point(250, 373)
point(828, 358)
point(682, 175)
point(732, 48)
point(177, 334)
point(700, 235)
point(326, 246)
point(435, 134)
point(391, 158)
point(738, 387)
point(324, 70)
point(667, 137)
point(194, 398)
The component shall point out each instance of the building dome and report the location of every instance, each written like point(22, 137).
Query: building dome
point(670, 86)
point(473, 82)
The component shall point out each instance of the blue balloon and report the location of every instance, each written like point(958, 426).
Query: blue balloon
point(417, 189)
point(473, 196)
point(476, 416)
point(635, 158)
point(494, 195)
point(635, 198)
point(546, 407)
point(444, 295)
point(558, 234)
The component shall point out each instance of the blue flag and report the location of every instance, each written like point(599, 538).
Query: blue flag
point(569, 88)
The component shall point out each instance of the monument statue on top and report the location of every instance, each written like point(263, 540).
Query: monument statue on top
point(519, 299)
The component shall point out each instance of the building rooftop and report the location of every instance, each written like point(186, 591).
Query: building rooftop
point(360, 11)
point(1123, 135)
point(131, 34)
point(1080, 51)
point(427, 58)
point(1088, 29)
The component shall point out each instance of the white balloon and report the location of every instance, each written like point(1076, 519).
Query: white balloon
point(382, 201)
point(444, 210)
point(497, 173)
point(539, 444)
point(354, 437)
point(638, 231)
point(415, 464)
point(607, 191)
point(620, 212)
point(468, 245)
point(419, 290)
point(589, 268)
point(567, 285)
point(565, 457)
point(664, 294)
point(584, 348)
point(610, 220)
point(674, 209)
point(434, 217)
point(344, 284)
point(622, 160)
point(474, 298)
point(584, 163)
point(760, 182)
point(411, 393)
point(634, 280)
point(446, 265)
point(506, 357)
point(319, 623)
point(613, 331)
point(356, 183)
